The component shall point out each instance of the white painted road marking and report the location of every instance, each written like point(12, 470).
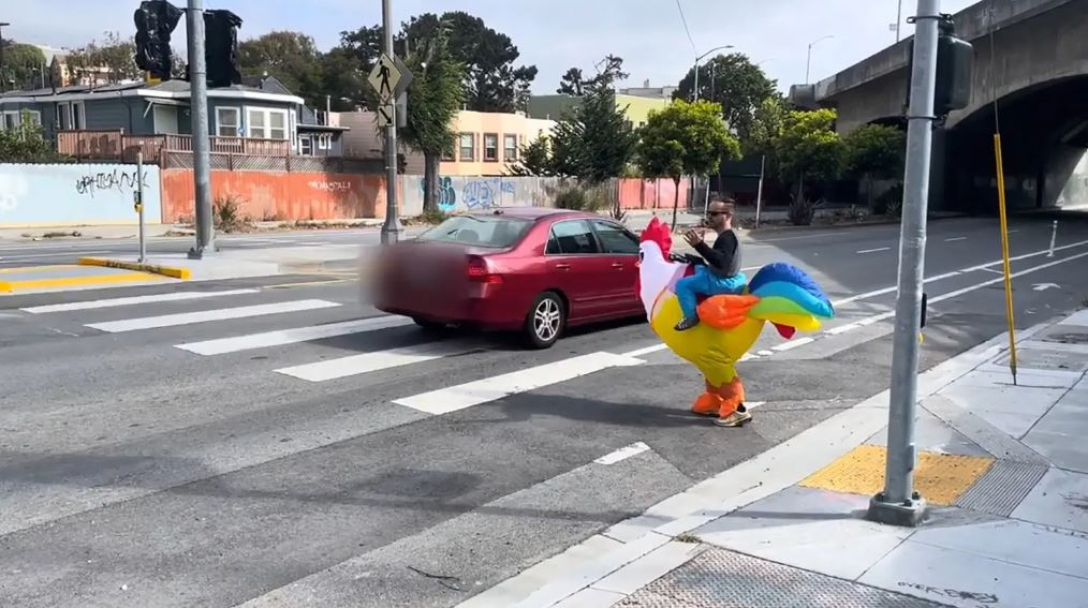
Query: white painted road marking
point(365, 363)
point(113, 302)
point(781, 348)
point(955, 238)
point(646, 351)
point(292, 336)
point(444, 401)
point(875, 250)
point(623, 453)
point(205, 316)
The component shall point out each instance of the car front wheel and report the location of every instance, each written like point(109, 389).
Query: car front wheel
point(546, 320)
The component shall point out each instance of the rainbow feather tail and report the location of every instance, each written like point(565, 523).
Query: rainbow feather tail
point(789, 299)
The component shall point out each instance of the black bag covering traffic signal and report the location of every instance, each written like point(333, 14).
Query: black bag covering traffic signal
point(155, 21)
point(955, 65)
point(221, 47)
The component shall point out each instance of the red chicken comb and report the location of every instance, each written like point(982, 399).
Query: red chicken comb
point(658, 232)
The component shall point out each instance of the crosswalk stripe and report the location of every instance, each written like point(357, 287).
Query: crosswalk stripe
point(459, 397)
point(221, 314)
point(364, 363)
point(131, 301)
point(292, 336)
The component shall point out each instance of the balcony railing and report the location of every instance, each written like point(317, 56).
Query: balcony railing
point(115, 145)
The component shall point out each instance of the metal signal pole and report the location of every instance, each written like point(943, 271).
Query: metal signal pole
point(198, 99)
point(391, 228)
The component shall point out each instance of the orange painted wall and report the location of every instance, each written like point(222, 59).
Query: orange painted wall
point(651, 194)
point(280, 196)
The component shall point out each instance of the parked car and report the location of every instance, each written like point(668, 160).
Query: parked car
point(533, 270)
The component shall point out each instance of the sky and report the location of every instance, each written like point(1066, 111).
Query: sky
point(554, 35)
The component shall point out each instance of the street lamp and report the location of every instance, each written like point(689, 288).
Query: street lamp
point(695, 94)
point(3, 84)
point(808, 63)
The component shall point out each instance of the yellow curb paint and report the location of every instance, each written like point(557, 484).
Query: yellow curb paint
point(166, 271)
point(11, 286)
point(36, 268)
point(940, 478)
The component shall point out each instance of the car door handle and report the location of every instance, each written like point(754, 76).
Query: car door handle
point(562, 266)
point(617, 265)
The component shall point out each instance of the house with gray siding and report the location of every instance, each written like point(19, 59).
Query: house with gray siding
point(266, 111)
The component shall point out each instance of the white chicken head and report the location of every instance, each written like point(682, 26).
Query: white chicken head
point(656, 274)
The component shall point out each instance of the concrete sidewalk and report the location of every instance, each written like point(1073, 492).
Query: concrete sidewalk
point(1004, 469)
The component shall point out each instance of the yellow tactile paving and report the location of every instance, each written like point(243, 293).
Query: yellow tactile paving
point(940, 478)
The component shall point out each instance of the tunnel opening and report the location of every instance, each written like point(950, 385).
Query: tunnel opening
point(1044, 134)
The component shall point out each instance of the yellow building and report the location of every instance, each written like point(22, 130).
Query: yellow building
point(636, 107)
point(488, 143)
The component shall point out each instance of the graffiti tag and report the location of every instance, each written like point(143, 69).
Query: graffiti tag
point(981, 598)
point(119, 180)
point(447, 196)
point(331, 186)
point(480, 194)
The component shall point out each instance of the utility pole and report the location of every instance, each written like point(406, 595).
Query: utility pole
point(198, 100)
point(3, 80)
point(391, 227)
point(899, 504)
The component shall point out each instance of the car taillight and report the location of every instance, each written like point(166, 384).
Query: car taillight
point(479, 272)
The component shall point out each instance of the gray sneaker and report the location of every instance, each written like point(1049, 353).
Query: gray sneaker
point(687, 323)
point(738, 418)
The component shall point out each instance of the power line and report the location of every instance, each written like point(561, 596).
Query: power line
point(685, 22)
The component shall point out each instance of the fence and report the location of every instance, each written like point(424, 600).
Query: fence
point(458, 193)
point(49, 194)
point(115, 145)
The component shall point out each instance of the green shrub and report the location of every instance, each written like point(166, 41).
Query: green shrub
point(802, 211)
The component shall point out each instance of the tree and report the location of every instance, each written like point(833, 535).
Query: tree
point(116, 55)
point(291, 57)
point(575, 84)
point(23, 65)
point(734, 82)
point(685, 138)
point(875, 152)
point(26, 144)
point(809, 147)
point(492, 82)
point(534, 159)
point(593, 141)
point(435, 96)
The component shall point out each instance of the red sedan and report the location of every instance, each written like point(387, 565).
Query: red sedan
point(529, 269)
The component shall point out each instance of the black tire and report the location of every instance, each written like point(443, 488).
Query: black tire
point(431, 327)
point(546, 320)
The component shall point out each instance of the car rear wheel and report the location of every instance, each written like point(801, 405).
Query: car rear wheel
point(546, 320)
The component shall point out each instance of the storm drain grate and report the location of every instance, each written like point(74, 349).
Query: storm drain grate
point(723, 579)
point(1003, 488)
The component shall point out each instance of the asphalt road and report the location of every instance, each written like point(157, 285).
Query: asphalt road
point(215, 459)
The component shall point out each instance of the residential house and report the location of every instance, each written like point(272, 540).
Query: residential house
point(487, 143)
point(266, 112)
point(636, 107)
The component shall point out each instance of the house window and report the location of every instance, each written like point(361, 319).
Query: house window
point(228, 122)
point(34, 117)
point(11, 121)
point(266, 123)
point(509, 148)
point(491, 147)
point(64, 116)
point(79, 116)
point(324, 141)
point(468, 147)
point(305, 145)
point(447, 155)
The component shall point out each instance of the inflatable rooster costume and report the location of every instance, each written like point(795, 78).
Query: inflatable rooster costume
point(729, 325)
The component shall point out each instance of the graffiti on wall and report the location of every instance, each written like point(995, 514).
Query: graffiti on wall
point(331, 186)
point(476, 192)
point(121, 180)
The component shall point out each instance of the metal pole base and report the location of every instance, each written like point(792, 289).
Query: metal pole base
point(391, 231)
point(202, 252)
point(907, 514)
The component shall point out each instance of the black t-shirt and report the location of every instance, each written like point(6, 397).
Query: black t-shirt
point(724, 258)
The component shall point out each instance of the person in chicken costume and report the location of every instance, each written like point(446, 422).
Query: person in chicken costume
point(729, 325)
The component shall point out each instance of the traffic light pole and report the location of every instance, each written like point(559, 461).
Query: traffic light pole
point(198, 99)
point(391, 227)
point(899, 504)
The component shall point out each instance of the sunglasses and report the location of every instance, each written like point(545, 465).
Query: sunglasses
point(716, 213)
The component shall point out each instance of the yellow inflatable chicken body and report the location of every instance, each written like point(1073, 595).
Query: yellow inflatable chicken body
point(730, 324)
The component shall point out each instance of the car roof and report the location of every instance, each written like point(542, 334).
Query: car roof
point(534, 213)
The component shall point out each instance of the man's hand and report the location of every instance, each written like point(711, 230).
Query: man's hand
point(693, 238)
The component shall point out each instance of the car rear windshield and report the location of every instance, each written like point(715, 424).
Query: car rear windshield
point(494, 232)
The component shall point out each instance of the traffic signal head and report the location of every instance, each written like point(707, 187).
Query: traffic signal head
point(955, 65)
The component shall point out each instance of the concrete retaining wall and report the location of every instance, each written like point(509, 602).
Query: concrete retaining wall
point(63, 194)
